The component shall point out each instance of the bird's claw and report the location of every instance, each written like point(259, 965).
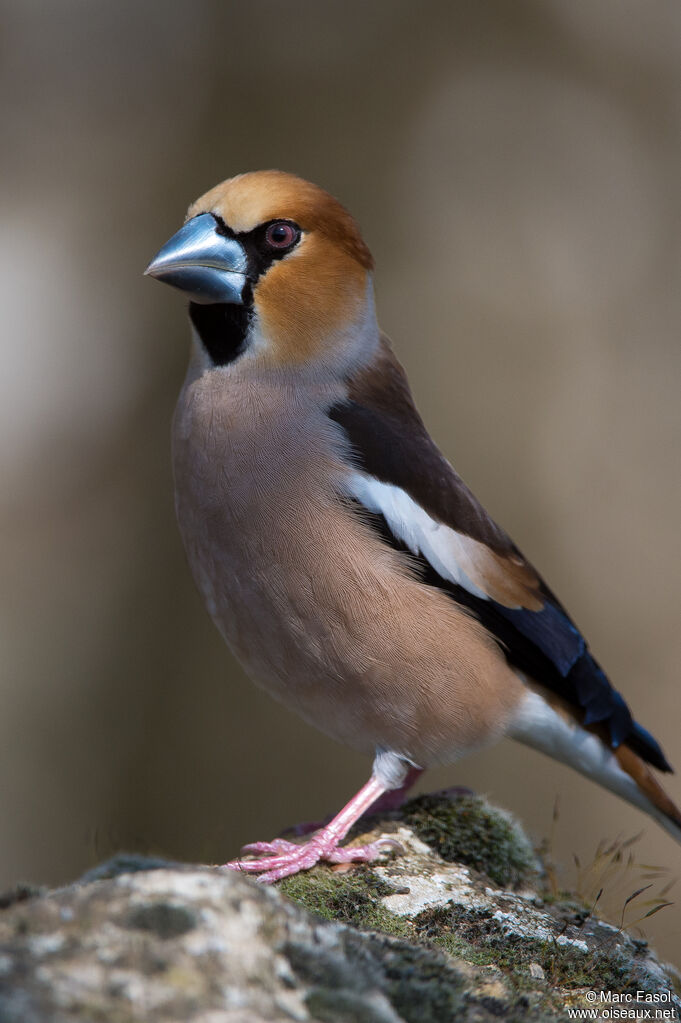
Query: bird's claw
point(277, 845)
point(282, 858)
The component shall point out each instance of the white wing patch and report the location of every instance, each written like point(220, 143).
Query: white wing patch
point(452, 555)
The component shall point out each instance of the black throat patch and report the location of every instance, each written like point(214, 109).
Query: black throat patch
point(222, 327)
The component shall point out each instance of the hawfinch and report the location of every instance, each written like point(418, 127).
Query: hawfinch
point(350, 569)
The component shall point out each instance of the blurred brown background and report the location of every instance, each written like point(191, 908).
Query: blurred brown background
point(516, 168)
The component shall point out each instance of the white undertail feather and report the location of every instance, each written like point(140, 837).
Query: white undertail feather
point(538, 725)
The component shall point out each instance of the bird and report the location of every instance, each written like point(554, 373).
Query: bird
point(348, 566)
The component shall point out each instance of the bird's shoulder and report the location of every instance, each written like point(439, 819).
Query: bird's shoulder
point(401, 473)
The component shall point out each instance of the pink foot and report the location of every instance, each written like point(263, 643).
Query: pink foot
point(284, 858)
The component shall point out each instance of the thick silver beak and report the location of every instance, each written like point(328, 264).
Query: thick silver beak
point(206, 265)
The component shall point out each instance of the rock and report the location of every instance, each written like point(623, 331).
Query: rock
point(426, 937)
point(536, 972)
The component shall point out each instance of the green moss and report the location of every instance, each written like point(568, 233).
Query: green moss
point(473, 936)
point(482, 940)
point(467, 830)
point(352, 898)
point(434, 927)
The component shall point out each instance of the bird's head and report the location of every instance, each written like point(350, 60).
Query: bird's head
point(277, 275)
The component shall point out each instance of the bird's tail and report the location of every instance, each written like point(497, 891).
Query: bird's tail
point(651, 797)
point(546, 725)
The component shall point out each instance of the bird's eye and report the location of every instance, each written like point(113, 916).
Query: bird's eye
point(282, 234)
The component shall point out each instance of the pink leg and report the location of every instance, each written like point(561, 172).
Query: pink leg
point(323, 846)
point(390, 800)
point(394, 798)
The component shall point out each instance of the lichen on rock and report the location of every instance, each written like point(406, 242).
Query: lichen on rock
point(455, 927)
point(468, 830)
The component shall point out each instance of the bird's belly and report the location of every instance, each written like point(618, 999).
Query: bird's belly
point(326, 617)
point(379, 661)
point(262, 592)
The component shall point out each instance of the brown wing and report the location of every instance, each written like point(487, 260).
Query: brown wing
point(421, 504)
point(394, 446)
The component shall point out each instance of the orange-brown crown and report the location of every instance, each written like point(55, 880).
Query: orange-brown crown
point(253, 198)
